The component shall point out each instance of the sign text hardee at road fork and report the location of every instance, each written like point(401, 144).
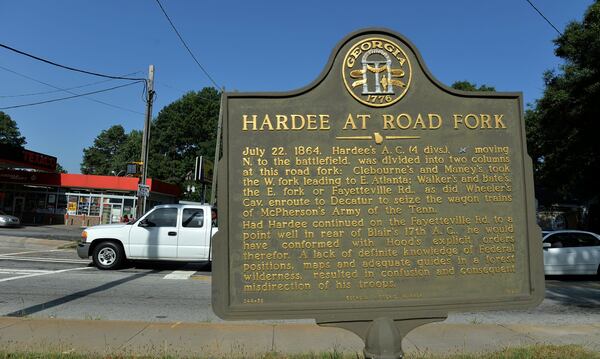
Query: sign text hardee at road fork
point(374, 191)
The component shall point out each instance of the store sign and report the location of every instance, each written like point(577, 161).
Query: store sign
point(72, 208)
point(374, 192)
point(22, 158)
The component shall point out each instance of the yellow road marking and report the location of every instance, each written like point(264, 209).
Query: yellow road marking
point(201, 277)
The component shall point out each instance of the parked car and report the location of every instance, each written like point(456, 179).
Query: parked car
point(8, 220)
point(571, 252)
point(171, 232)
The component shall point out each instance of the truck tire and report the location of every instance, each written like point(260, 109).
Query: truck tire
point(108, 255)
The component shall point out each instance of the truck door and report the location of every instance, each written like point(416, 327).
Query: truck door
point(155, 236)
point(193, 231)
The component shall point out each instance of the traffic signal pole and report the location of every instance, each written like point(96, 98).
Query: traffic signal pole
point(141, 202)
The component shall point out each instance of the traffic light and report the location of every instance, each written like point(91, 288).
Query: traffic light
point(134, 169)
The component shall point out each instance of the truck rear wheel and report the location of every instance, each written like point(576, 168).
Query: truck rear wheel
point(108, 255)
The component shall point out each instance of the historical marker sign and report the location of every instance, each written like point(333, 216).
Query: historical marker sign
point(375, 191)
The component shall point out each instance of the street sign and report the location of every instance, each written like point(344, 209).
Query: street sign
point(143, 191)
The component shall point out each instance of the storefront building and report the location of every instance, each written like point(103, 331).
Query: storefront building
point(76, 199)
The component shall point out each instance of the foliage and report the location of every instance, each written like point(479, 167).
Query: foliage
point(60, 169)
point(183, 130)
point(105, 156)
point(469, 86)
point(9, 132)
point(563, 125)
point(130, 150)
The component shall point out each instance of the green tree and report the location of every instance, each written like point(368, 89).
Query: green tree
point(9, 131)
point(129, 151)
point(563, 126)
point(99, 159)
point(183, 130)
point(111, 152)
point(469, 86)
point(60, 169)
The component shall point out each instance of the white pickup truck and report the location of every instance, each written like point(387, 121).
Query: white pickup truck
point(173, 232)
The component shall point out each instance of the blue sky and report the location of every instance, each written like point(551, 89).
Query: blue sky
point(245, 46)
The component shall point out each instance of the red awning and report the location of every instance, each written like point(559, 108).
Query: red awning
point(68, 180)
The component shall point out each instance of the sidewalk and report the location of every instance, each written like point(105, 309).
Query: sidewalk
point(54, 232)
point(248, 339)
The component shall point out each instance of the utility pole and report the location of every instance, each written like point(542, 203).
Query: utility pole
point(141, 202)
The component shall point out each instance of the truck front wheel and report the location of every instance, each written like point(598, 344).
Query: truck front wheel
point(108, 255)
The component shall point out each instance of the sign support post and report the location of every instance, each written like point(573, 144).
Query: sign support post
point(383, 336)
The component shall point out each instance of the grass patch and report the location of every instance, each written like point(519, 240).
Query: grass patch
point(543, 352)
point(532, 352)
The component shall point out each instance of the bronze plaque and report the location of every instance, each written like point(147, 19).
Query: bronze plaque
point(374, 191)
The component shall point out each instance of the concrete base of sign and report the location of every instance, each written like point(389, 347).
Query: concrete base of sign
point(383, 336)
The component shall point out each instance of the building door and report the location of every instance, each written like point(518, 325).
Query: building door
point(115, 213)
point(105, 217)
point(18, 206)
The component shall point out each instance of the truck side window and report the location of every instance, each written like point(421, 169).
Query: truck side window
point(163, 217)
point(193, 218)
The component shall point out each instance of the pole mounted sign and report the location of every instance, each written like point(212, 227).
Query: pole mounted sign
point(143, 190)
point(375, 199)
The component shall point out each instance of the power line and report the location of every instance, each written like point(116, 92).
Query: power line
point(545, 18)
point(163, 84)
point(70, 97)
point(186, 46)
point(171, 87)
point(74, 93)
point(70, 68)
point(57, 88)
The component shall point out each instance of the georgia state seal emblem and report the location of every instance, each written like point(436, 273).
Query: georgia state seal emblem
point(376, 72)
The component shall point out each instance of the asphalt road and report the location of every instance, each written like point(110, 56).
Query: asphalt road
point(39, 278)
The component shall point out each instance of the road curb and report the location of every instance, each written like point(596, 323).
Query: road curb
point(254, 339)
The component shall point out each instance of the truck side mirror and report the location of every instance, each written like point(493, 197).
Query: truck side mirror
point(145, 223)
point(546, 245)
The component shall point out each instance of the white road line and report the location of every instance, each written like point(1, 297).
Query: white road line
point(28, 252)
point(40, 274)
point(22, 271)
point(42, 259)
point(180, 274)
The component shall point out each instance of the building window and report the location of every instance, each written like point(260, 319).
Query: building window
point(83, 205)
point(95, 206)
